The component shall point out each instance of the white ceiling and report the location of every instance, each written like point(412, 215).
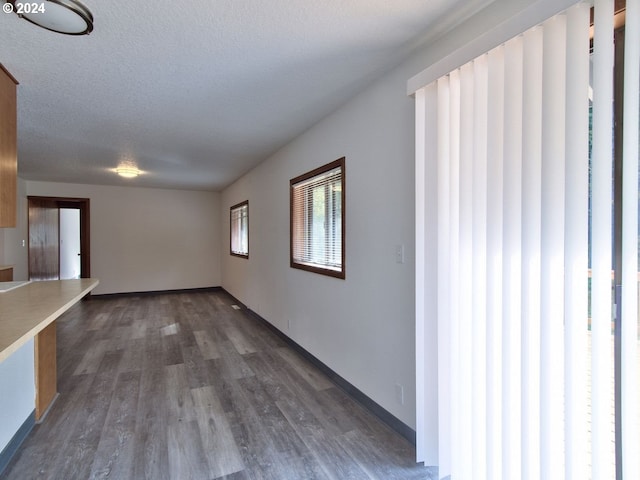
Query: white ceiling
point(197, 92)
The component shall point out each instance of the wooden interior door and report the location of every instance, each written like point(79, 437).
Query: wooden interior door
point(44, 249)
point(44, 236)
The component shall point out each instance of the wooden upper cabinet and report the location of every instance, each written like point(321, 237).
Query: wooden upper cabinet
point(8, 148)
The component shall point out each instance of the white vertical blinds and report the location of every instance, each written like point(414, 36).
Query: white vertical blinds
point(495, 133)
point(531, 245)
point(426, 263)
point(601, 241)
point(552, 246)
point(479, 269)
point(576, 248)
point(509, 149)
point(512, 276)
point(630, 401)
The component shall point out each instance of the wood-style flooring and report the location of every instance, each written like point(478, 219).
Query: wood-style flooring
point(183, 386)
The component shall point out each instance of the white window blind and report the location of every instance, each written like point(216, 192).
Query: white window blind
point(630, 356)
point(317, 219)
point(506, 138)
point(240, 229)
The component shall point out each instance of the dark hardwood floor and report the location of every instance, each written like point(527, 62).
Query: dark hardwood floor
point(183, 386)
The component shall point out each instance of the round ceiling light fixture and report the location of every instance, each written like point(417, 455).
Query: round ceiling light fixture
point(69, 17)
point(127, 171)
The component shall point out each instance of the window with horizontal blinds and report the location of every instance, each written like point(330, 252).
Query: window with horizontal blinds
point(317, 220)
point(240, 229)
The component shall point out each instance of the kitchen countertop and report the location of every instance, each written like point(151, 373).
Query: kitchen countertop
point(7, 286)
point(28, 309)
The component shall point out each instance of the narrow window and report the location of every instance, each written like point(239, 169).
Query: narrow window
point(240, 230)
point(317, 220)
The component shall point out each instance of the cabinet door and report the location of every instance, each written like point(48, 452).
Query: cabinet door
point(8, 149)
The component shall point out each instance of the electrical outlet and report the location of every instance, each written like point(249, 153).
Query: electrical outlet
point(399, 394)
point(399, 253)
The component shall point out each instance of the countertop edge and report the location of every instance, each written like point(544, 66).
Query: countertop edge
point(8, 351)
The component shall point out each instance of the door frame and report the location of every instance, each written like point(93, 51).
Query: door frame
point(82, 204)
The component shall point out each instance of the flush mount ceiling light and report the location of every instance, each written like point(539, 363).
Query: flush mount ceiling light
point(128, 171)
point(62, 16)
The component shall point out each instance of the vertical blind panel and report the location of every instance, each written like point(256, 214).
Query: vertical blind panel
point(495, 145)
point(479, 270)
point(454, 264)
point(629, 321)
point(445, 411)
point(576, 240)
point(426, 277)
point(552, 264)
point(421, 275)
point(531, 236)
point(512, 205)
point(601, 243)
point(466, 272)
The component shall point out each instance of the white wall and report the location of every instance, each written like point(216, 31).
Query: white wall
point(367, 332)
point(17, 392)
point(145, 239)
point(361, 327)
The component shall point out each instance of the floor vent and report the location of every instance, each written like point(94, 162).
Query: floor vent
point(235, 307)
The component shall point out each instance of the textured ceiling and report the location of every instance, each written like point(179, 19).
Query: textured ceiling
point(196, 93)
